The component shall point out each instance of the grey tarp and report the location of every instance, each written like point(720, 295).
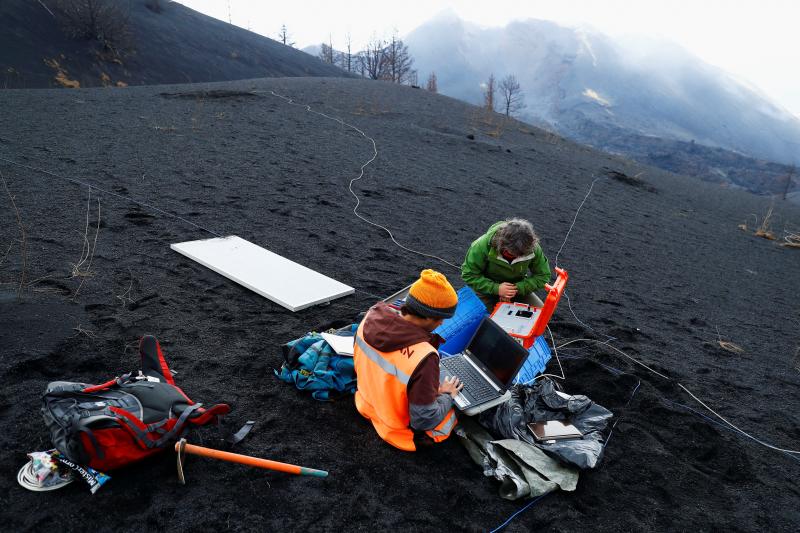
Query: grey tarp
point(523, 470)
point(541, 402)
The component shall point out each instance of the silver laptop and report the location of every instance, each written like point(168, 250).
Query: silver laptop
point(487, 368)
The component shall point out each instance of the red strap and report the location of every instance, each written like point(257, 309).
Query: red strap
point(132, 419)
point(208, 414)
point(164, 368)
point(95, 388)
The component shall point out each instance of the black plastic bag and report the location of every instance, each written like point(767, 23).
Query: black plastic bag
point(541, 402)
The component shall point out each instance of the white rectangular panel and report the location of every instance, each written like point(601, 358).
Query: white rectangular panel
point(285, 282)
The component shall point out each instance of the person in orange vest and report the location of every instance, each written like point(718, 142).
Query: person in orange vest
point(397, 366)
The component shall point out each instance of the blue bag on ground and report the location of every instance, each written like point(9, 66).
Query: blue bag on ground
point(310, 364)
point(541, 402)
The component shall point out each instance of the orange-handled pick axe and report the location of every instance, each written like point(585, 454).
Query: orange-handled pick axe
point(182, 447)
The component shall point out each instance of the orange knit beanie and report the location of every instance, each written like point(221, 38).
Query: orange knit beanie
point(432, 296)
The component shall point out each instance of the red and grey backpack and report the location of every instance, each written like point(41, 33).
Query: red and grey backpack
point(125, 419)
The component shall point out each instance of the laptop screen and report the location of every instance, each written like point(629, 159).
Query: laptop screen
point(498, 351)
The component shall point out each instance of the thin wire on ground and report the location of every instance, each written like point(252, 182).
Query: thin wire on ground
point(361, 175)
point(110, 193)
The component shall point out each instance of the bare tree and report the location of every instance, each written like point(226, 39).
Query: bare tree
point(326, 52)
point(95, 20)
point(398, 62)
point(432, 86)
point(374, 59)
point(512, 98)
point(347, 57)
point(284, 37)
point(489, 89)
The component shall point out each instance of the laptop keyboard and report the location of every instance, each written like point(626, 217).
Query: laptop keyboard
point(474, 382)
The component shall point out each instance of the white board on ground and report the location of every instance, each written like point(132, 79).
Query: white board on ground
point(285, 282)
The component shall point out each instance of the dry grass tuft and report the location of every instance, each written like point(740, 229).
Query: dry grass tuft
point(81, 331)
point(791, 239)
point(730, 347)
point(23, 241)
point(61, 74)
point(126, 297)
point(83, 268)
point(765, 229)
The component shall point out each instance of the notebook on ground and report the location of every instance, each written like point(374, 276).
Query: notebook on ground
point(486, 367)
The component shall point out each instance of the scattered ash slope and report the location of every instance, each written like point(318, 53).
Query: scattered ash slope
point(172, 44)
point(655, 260)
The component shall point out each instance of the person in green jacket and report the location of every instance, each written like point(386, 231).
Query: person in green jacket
point(506, 264)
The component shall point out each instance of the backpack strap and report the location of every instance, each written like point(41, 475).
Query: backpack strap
point(141, 432)
point(153, 361)
point(178, 427)
point(206, 415)
point(237, 437)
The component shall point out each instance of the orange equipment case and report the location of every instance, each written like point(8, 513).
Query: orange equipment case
point(525, 322)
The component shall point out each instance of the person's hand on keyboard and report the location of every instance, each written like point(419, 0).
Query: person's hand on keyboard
point(451, 385)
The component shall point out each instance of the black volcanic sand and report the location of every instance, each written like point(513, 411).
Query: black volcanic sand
point(656, 261)
point(175, 45)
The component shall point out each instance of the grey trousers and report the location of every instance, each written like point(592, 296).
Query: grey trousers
point(490, 300)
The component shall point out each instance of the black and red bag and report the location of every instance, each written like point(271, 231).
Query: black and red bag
point(125, 419)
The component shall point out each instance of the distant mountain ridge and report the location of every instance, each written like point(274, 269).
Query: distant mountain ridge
point(572, 77)
point(173, 45)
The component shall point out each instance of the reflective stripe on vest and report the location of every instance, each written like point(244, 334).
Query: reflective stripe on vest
point(445, 428)
point(381, 361)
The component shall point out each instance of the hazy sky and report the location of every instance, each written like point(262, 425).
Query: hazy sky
point(755, 40)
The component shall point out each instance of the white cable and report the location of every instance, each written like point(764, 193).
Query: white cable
point(110, 193)
point(361, 175)
point(28, 479)
point(575, 218)
point(698, 400)
point(695, 398)
point(555, 351)
point(587, 326)
point(606, 343)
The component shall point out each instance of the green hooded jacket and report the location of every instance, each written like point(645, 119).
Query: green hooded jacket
point(484, 269)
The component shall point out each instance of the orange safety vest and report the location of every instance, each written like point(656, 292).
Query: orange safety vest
point(382, 394)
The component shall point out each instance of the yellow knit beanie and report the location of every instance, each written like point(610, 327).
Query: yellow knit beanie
point(432, 296)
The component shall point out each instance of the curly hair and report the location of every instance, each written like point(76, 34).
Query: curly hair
point(516, 235)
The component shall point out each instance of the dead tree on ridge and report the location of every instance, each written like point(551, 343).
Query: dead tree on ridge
point(374, 59)
point(489, 89)
point(347, 57)
point(283, 36)
point(398, 62)
point(511, 95)
point(432, 86)
point(94, 20)
point(326, 52)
